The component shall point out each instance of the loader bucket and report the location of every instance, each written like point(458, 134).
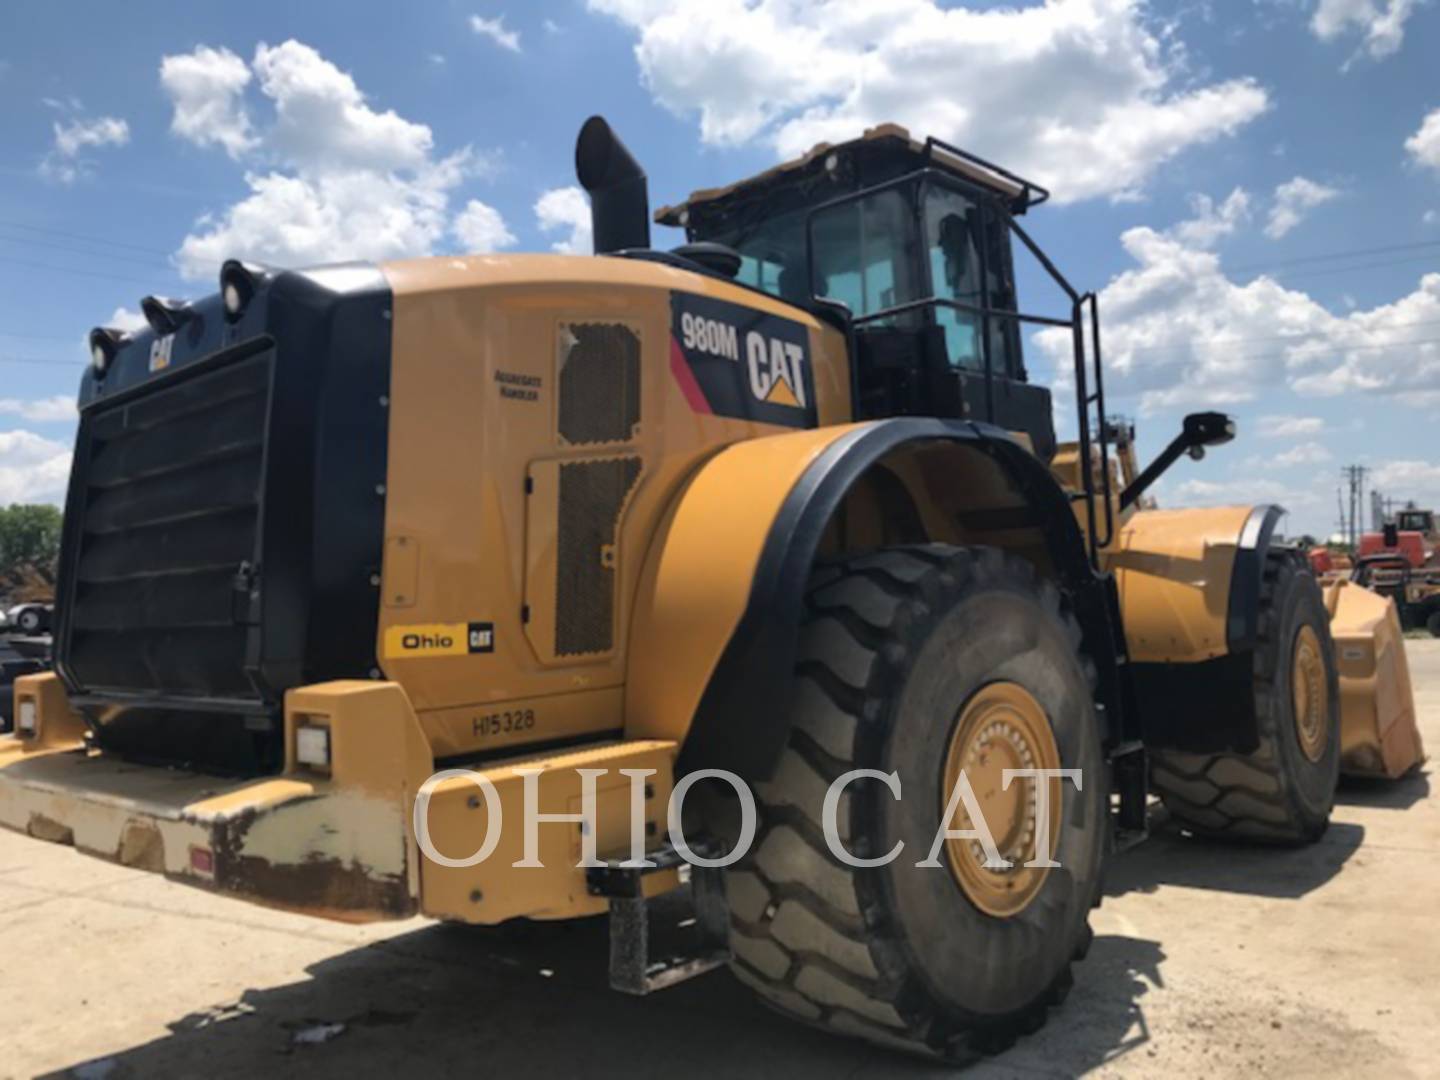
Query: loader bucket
point(1378, 732)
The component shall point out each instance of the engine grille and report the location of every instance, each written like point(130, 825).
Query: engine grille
point(592, 494)
point(169, 487)
point(599, 383)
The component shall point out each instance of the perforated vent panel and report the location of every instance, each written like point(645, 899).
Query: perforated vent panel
point(599, 383)
point(592, 494)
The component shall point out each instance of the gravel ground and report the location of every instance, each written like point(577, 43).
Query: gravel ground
point(1207, 961)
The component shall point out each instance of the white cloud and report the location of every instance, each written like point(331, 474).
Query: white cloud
point(1382, 27)
point(127, 320)
point(495, 30)
point(207, 89)
point(1242, 491)
point(32, 468)
point(1424, 145)
point(1211, 222)
point(1085, 96)
point(330, 178)
point(1288, 427)
point(1293, 200)
point(1430, 217)
point(41, 410)
point(1306, 453)
point(562, 209)
point(481, 229)
point(552, 27)
point(1179, 331)
point(64, 162)
point(1418, 480)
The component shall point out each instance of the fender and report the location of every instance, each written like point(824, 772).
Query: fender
point(714, 638)
point(1190, 583)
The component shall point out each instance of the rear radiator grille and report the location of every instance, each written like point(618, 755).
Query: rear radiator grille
point(599, 383)
point(592, 494)
point(170, 502)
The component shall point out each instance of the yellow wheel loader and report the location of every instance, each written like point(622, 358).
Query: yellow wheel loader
point(533, 586)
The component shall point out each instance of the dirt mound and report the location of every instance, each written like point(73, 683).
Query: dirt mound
point(26, 583)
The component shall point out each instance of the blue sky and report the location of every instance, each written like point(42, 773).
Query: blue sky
point(1252, 184)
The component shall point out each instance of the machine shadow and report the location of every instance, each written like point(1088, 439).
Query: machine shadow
point(534, 999)
point(1173, 857)
point(1385, 794)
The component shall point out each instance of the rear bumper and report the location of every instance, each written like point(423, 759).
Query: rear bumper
point(338, 843)
point(327, 844)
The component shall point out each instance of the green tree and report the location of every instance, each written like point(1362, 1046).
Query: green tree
point(29, 534)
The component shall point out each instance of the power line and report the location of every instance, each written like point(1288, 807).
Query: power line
point(68, 270)
point(1327, 256)
point(69, 249)
point(82, 236)
point(41, 363)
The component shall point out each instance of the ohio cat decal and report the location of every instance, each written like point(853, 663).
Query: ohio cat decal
point(734, 361)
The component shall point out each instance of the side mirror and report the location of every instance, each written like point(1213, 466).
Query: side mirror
point(1199, 430)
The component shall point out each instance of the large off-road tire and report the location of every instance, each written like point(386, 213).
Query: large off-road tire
point(1284, 791)
point(896, 650)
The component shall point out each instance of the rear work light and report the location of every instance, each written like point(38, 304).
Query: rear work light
point(312, 746)
point(26, 718)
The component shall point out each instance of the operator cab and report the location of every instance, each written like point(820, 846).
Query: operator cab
point(913, 239)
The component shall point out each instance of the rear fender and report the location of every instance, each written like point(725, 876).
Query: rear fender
point(714, 638)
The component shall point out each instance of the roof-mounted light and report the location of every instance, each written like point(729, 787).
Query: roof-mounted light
point(239, 282)
point(166, 315)
point(105, 342)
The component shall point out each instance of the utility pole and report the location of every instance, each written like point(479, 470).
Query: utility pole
point(1355, 480)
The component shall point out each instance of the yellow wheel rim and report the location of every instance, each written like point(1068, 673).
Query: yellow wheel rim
point(1001, 727)
point(1308, 694)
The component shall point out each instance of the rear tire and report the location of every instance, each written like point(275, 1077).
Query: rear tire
point(893, 645)
point(30, 621)
point(1280, 793)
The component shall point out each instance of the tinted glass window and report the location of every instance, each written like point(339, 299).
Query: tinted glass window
point(865, 254)
point(957, 231)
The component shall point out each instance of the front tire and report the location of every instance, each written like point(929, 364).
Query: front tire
point(896, 649)
point(1284, 790)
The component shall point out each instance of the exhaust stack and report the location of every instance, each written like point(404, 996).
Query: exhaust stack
point(619, 200)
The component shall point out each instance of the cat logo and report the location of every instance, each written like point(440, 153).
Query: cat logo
point(776, 372)
point(160, 350)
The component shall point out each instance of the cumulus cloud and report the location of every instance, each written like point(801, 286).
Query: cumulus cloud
point(1381, 26)
point(1424, 145)
point(330, 177)
point(40, 410)
point(494, 29)
point(1180, 331)
point(481, 229)
point(127, 320)
point(206, 88)
point(1306, 453)
point(566, 210)
point(1288, 427)
point(1293, 200)
point(1211, 221)
point(32, 468)
point(65, 162)
point(1419, 480)
point(1085, 96)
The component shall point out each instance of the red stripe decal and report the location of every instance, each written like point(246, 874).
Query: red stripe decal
point(686, 378)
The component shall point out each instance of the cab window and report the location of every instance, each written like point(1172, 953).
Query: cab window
point(866, 257)
point(958, 231)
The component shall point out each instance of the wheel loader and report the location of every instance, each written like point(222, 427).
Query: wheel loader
point(362, 560)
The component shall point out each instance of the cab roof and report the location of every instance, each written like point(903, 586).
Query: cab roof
point(884, 149)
